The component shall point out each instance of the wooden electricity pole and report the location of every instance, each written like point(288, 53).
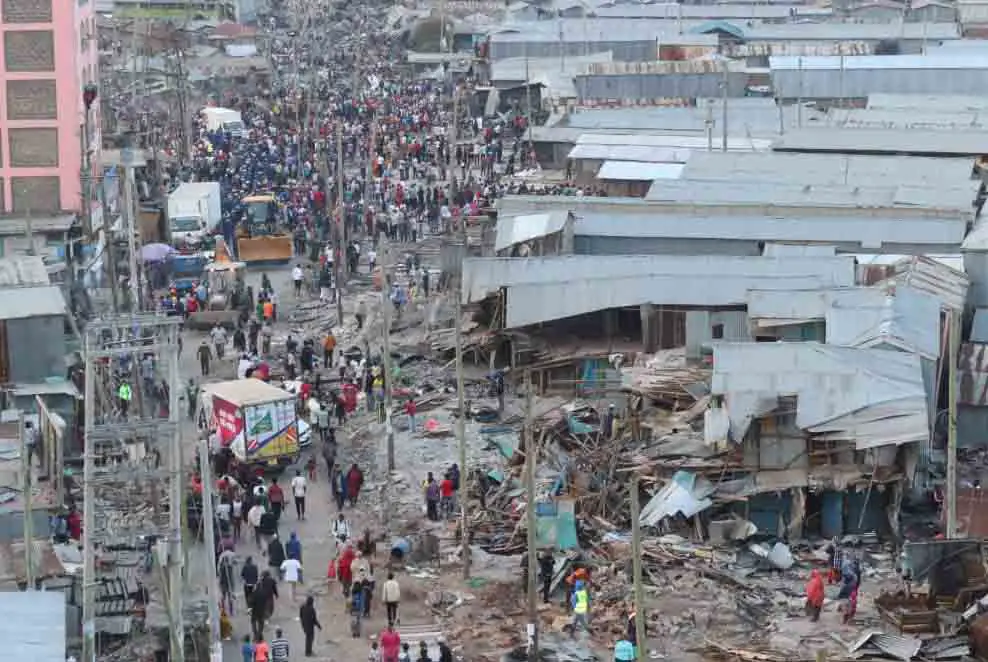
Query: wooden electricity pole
point(209, 535)
point(531, 457)
point(28, 513)
point(636, 569)
point(341, 227)
point(954, 341)
point(388, 376)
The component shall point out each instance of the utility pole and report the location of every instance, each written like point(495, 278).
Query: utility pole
point(723, 110)
point(209, 532)
point(131, 160)
point(636, 569)
point(461, 433)
point(954, 342)
point(341, 227)
point(531, 457)
point(28, 514)
point(388, 377)
point(117, 492)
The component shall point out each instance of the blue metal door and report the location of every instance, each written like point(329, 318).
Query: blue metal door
point(832, 514)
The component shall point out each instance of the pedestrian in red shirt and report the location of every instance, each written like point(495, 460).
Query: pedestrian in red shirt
point(446, 496)
point(276, 497)
point(390, 644)
point(410, 410)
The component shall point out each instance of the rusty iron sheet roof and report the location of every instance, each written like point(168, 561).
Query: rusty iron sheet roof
point(972, 363)
point(12, 561)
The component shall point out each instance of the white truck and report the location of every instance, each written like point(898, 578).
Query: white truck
point(194, 212)
point(224, 119)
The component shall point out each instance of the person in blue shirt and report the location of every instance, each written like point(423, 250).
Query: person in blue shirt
point(247, 649)
point(356, 608)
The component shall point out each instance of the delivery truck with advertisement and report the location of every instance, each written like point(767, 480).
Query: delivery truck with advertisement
point(255, 420)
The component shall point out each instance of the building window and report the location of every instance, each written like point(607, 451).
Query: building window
point(33, 148)
point(29, 50)
point(717, 332)
point(32, 100)
point(35, 194)
point(26, 11)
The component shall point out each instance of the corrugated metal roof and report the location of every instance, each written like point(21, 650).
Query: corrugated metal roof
point(515, 69)
point(909, 320)
point(33, 625)
point(831, 169)
point(972, 364)
point(796, 48)
point(547, 288)
point(706, 12)
point(671, 141)
point(786, 194)
point(900, 647)
point(513, 230)
point(775, 307)
point(758, 117)
point(850, 232)
point(24, 302)
point(884, 141)
point(868, 397)
point(575, 30)
point(639, 153)
point(638, 171)
point(932, 276)
point(12, 561)
point(865, 118)
point(667, 67)
point(23, 270)
point(945, 61)
point(850, 31)
point(935, 103)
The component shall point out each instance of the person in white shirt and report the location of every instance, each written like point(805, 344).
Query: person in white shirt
point(243, 366)
point(299, 486)
point(371, 260)
point(291, 572)
point(254, 519)
point(341, 529)
point(297, 276)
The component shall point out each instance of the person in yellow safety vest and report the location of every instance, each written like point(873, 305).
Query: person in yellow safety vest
point(581, 608)
point(124, 394)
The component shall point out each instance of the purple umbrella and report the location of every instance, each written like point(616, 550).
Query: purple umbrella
point(156, 252)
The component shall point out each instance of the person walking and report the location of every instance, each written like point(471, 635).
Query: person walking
point(581, 608)
point(254, 519)
point(279, 647)
point(298, 275)
point(205, 355)
point(391, 596)
point(328, 347)
point(291, 572)
point(276, 497)
point(262, 652)
point(299, 487)
point(390, 644)
point(247, 649)
point(814, 596)
point(547, 567)
point(276, 554)
point(341, 529)
point(250, 575)
point(310, 621)
point(432, 496)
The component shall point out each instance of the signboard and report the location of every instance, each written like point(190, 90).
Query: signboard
point(227, 421)
point(270, 429)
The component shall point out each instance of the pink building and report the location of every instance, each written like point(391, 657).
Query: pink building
point(49, 53)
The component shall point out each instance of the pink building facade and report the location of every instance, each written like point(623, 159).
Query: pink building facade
point(48, 53)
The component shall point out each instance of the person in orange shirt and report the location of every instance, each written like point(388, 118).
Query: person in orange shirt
point(262, 652)
point(268, 310)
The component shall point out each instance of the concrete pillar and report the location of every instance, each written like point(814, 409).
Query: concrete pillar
point(648, 327)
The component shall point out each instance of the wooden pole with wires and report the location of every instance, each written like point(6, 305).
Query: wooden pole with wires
point(341, 227)
point(636, 569)
point(531, 457)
